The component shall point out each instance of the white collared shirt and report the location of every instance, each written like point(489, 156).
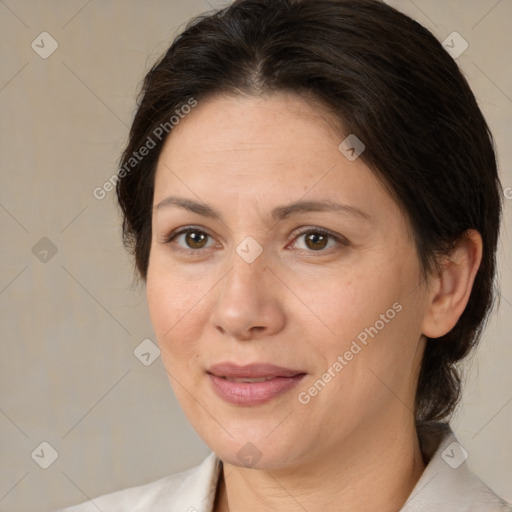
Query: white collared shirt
point(446, 485)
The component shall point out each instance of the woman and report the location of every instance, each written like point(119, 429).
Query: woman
point(311, 196)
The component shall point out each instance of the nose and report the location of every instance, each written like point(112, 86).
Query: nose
point(249, 303)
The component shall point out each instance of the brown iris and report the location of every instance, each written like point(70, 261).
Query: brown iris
point(196, 239)
point(318, 240)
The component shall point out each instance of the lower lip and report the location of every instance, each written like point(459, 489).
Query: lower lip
point(252, 393)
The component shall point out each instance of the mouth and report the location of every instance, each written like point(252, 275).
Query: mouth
point(252, 384)
point(247, 379)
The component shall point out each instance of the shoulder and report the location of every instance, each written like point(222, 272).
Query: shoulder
point(189, 491)
point(448, 484)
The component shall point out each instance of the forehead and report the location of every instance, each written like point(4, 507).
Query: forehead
point(281, 121)
point(262, 151)
point(261, 114)
point(279, 136)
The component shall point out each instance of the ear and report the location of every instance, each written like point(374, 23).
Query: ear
point(449, 291)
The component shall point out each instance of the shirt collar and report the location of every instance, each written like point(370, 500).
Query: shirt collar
point(446, 485)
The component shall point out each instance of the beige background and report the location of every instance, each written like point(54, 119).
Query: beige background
point(69, 325)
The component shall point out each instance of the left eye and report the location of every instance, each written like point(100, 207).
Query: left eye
point(317, 239)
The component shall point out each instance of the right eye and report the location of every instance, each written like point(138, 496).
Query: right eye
point(190, 240)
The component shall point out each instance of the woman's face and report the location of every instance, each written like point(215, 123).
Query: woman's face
point(282, 343)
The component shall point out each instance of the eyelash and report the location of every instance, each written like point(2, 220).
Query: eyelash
point(196, 252)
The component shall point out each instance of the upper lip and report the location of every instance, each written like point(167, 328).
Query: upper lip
point(251, 371)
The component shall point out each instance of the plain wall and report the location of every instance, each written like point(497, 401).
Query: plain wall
point(70, 325)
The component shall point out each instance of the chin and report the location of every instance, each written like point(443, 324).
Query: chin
point(252, 447)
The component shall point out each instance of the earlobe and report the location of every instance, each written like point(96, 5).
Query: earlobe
point(451, 288)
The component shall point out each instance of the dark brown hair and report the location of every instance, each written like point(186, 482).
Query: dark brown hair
point(390, 82)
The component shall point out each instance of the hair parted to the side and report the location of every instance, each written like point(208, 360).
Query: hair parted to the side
point(389, 81)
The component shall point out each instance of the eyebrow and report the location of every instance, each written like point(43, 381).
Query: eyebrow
point(278, 213)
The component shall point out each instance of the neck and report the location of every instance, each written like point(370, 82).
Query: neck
point(375, 469)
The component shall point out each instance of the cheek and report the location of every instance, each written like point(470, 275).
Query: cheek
point(351, 301)
point(177, 313)
point(373, 314)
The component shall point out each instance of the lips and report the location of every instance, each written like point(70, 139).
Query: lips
point(251, 371)
point(252, 384)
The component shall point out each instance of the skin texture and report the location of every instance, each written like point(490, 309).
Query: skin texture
point(353, 446)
